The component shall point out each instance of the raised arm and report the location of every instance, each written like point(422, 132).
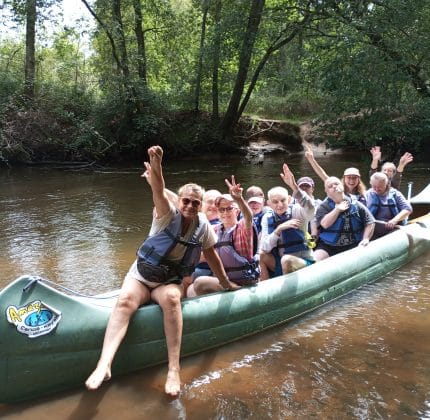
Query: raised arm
point(159, 196)
point(397, 178)
point(172, 196)
point(309, 154)
point(307, 204)
point(376, 153)
point(236, 192)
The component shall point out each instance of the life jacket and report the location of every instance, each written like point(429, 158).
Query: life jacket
point(238, 268)
point(155, 249)
point(291, 240)
point(358, 197)
point(256, 219)
point(376, 204)
point(332, 233)
point(204, 265)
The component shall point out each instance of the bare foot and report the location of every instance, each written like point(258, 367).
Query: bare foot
point(173, 383)
point(100, 374)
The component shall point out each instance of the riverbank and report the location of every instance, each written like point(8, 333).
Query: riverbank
point(39, 137)
point(32, 137)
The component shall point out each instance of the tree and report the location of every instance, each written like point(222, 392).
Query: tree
point(140, 40)
point(205, 7)
point(30, 48)
point(374, 73)
point(231, 116)
point(216, 60)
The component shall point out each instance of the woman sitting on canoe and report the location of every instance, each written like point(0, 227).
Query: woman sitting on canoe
point(351, 180)
point(235, 244)
point(283, 245)
point(343, 221)
point(388, 205)
point(169, 253)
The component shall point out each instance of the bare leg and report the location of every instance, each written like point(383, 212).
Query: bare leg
point(186, 283)
point(190, 291)
point(133, 294)
point(267, 262)
point(291, 263)
point(320, 254)
point(169, 299)
point(206, 284)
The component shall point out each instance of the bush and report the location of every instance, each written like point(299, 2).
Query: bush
point(288, 107)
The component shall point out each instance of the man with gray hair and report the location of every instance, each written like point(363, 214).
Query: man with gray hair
point(343, 221)
point(387, 205)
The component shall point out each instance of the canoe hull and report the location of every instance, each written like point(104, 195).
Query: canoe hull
point(64, 357)
point(421, 203)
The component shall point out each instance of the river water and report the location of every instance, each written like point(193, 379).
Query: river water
point(366, 355)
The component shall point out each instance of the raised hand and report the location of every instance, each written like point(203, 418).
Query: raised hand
point(155, 155)
point(148, 173)
point(235, 189)
point(404, 160)
point(288, 177)
point(309, 153)
point(376, 153)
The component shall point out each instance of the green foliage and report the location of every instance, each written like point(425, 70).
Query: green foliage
point(362, 67)
point(369, 70)
point(292, 106)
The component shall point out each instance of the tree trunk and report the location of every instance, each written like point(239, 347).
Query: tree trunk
point(107, 32)
point(277, 44)
point(232, 116)
point(205, 7)
point(30, 40)
point(216, 57)
point(140, 40)
point(119, 32)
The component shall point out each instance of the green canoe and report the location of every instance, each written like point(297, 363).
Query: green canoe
point(50, 341)
point(421, 203)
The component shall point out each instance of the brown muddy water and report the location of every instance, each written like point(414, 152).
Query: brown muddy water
point(365, 356)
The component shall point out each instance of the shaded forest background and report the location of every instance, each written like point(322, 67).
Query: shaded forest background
point(198, 76)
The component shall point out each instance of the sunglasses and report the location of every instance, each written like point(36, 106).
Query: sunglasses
point(186, 201)
point(225, 209)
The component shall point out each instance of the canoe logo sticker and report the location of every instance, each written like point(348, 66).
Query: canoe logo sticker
point(34, 319)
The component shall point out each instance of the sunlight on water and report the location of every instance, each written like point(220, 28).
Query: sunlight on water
point(366, 355)
point(246, 362)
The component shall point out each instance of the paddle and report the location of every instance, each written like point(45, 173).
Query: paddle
point(415, 229)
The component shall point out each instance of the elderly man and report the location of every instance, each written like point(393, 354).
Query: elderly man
point(343, 221)
point(388, 205)
point(283, 245)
